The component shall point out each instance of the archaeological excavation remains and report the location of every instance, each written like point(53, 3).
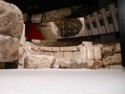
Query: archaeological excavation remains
point(54, 40)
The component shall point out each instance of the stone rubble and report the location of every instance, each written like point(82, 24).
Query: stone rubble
point(92, 56)
point(11, 32)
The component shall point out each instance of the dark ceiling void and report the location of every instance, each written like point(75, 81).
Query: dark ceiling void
point(39, 6)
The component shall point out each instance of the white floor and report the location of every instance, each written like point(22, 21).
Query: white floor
point(62, 81)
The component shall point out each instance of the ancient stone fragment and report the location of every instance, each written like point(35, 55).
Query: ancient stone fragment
point(97, 52)
point(107, 51)
point(9, 49)
point(39, 61)
point(117, 48)
point(65, 63)
point(11, 20)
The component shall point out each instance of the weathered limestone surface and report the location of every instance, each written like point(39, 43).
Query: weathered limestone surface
point(25, 51)
point(83, 52)
point(68, 55)
point(39, 61)
point(90, 53)
point(76, 54)
point(64, 63)
point(117, 48)
point(11, 20)
point(97, 52)
point(114, 59)
point(77, 63)
point(12, 31)
point(97, 64)
point(68, 49)
point(87, 56)
point(107, 51)
point(9, 48)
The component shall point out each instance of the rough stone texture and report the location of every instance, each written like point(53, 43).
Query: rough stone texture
point(39, 61)
point(89, 56)
point(68, 49)
point(77, 63)
point(48, 53)
point(68, 55)
point(117, 48)
point(114, 59)
point(83, 52)
point(65, 63)
point(9, 49)
point(107, 51)
point(11, 20)
point(76, 54)
point(89, 63)
point(12, 31)
point(49, 49)
point(59, 55)
point(26, 51)
point(97, 52)
point(97, 64)
point(90, 53)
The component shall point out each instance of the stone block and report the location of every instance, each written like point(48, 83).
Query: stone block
point(83, 52)
point(11, 20)
point(97, 52)
point(111, 60)
point(68, 49)
point(65, 63)
point(9, 49)
point(117, 48)
point(39, 61)
point(68, 55)
point(49, 49)
point(76, 54)
point(59, 54)
point(90, 53)
point(97, 64)
point(107, 51)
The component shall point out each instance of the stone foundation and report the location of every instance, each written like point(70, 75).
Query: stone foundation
point(86, 55)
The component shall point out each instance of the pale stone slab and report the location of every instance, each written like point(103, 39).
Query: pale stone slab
point(68, 49)
point(64, 63)
point(68, 55)
point(39, 61)
point(97, 52)
point(76, 54)
point(90, 53)
point(97, 64)
point(59, 55)
point(83, 52)
point(49, 49)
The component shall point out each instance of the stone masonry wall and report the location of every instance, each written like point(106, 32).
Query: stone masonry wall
point(86, 55)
